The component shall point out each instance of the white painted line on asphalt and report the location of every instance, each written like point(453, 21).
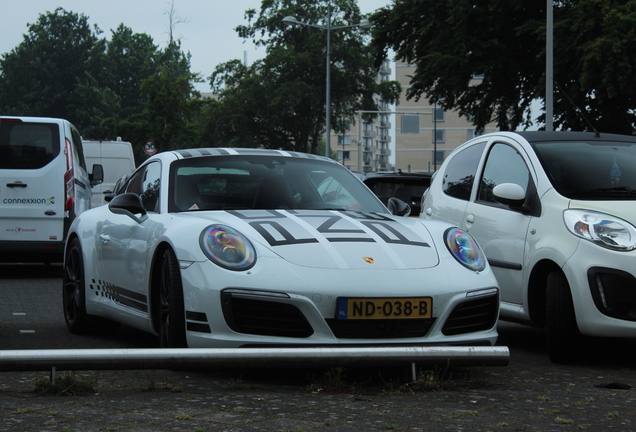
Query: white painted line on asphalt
point(26, 331)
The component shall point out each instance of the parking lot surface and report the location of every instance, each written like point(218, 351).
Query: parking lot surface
point(530, 394)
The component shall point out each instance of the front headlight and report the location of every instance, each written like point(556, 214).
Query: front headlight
point(227, 247)
point(464, 249)
point(600, 228)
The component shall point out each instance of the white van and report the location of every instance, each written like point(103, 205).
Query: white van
point(117, 159)
point(44, 185)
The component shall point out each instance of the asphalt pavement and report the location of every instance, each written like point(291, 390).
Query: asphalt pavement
point(530, 394)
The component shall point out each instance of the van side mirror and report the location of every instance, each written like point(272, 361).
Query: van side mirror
point(97, 176)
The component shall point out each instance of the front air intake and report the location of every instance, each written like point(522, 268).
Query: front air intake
point(471, 316)
point(264, 317)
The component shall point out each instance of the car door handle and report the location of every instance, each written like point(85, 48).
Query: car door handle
point(17, 184)
point(470, 219)
point(105, 238)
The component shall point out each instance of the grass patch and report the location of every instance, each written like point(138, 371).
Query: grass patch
point(68, 383)
point(332, 380)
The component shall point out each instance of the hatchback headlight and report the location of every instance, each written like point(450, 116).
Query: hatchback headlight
point(600, 228)
point(227, 247)
point(464, 249)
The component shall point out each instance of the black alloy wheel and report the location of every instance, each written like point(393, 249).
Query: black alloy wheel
point(172, 329)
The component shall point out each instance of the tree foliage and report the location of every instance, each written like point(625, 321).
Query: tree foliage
point(594, 65)
point(44, 75)
point(451, 41)
point(125, 86)
point(279, 102)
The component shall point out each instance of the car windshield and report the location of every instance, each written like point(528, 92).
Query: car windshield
point(590, 170)
point(266, 182)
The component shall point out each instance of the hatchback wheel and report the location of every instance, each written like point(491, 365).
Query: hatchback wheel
point(563, 332)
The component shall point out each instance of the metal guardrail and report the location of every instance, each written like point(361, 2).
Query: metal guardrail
point(233, 358)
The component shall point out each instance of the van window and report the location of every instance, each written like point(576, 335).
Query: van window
point(78, 148)
point(28, 145)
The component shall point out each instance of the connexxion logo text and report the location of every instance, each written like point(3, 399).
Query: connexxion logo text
point(47, 201)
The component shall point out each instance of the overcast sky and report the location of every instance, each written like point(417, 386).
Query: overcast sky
point(207, 33)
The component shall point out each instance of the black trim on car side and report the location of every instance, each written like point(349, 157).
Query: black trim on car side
point(504, 264)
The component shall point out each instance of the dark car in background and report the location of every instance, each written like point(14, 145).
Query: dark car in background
point(408, 187)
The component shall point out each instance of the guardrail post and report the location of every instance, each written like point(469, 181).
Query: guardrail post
point(53, 379)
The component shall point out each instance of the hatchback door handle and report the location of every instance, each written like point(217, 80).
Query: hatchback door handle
point(470, 219)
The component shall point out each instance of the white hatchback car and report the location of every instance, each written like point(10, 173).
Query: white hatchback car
point(555, 213)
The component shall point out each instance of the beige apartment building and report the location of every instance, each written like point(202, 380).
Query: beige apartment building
point(420, 141)
point(366, 146)
point(425, 134)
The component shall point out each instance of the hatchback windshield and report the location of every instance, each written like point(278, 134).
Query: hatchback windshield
point(590, 171)
point(266, 182)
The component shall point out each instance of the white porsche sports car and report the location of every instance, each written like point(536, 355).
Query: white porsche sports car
point(232, 248)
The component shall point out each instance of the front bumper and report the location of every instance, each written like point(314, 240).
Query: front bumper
point(260, 308)
point(603, 287)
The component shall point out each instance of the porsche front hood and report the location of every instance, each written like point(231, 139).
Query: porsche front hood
point(335, 239)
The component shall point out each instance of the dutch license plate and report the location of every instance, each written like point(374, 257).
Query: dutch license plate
point(384, 308)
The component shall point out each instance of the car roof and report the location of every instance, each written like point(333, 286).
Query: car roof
point(219, 151)
point(542, 136)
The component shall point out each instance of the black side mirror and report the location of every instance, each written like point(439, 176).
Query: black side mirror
point(97, 176)
point(128, 204)
point(398, 207)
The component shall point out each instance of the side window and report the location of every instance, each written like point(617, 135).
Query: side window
point(504, 165)
point(145, 183)
point(460, 172)
point(78, 148)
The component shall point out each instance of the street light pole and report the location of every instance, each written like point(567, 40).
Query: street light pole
point(435, 137)
point(328, 86)
point(364, 23)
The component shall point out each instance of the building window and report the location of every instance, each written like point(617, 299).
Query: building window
point(438, 157)
point(470, 134)
point(439, 136)
point(440, 114)
point(410, 124)
point(343, 155)
point(368, 142)
point(344, 139)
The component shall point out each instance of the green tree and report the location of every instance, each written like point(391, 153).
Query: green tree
point(171, 106)
point(48, 73)
point(452, 41)
point(130, 58)
point(279, 102)
point(594, 65)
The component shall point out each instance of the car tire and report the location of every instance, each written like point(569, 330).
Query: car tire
point(172, 327)
point(563, 332)
point(73, 290)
